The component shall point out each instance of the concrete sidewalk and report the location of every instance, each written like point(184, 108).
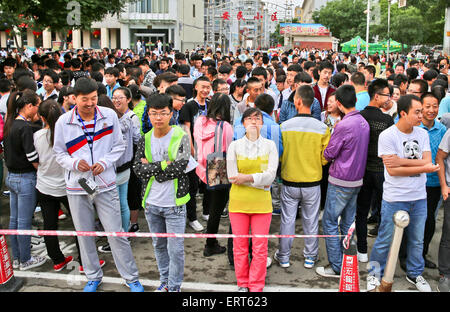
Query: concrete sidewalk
point(202, 274)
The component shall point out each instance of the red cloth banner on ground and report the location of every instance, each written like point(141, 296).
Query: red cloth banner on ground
point(6, 270)
point(349, 271)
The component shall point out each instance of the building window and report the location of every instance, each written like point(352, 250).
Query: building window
point(151, 6)
point(193, 10)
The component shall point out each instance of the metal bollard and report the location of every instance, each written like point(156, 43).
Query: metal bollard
point(401, 220)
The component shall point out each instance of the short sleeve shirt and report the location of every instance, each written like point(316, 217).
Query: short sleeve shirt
point(405, 145)
point(445, 146)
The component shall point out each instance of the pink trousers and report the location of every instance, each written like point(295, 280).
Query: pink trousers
point(251, 275)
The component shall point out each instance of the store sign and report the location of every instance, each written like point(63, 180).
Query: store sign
point(304, 29)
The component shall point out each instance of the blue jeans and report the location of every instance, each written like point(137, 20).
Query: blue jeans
point(169, 252)
point(22, 202)
point(340, 202)
point(124, 208)
point(414, 231)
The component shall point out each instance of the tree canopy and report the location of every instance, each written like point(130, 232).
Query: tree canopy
point(59, 15)
point(420, 22)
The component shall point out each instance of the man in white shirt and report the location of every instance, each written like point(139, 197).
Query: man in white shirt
point(405, 150)
point(5, 90)
point(292, 71)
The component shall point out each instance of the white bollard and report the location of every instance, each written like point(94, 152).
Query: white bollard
point(401, 220)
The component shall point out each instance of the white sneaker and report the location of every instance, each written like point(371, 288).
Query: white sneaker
point(242, 289)
point(282, 264)
point(35, 246)
point(205, 217)
point(327, 272)
point(269, 262)
point(196, 226)
point(16, 264)
point(420, 283)
point(37, 239)
point(34, 261)
point(372, 282)
point(362, 257)
point(309, 262)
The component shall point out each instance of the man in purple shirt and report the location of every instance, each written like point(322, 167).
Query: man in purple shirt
point(347, 153)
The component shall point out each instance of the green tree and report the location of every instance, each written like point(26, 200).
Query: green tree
point(344, 18)
point(40, 14)
point(421, 21)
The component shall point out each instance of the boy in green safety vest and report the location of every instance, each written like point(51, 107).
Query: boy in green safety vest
point(160, 162)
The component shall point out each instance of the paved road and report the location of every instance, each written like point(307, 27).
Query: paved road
point(202, 274)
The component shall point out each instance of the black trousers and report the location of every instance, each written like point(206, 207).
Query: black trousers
point(323, 185)
point(371, 191)
point(202, 190)
point(444, 245)
point(50, 206)
point(216, 201)
point(191, 205)
point(134, 196)
point(433, 197)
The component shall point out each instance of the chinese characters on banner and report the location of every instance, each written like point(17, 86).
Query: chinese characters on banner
point(240, 16)
point(226, 16)
point(274, 17)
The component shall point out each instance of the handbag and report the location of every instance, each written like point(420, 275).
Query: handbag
point(216, 163)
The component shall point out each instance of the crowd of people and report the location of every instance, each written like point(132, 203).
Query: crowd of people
point(323, 136)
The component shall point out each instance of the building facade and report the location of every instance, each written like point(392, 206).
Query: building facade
point(178, 24)
point(306, 36)
point(233, 24)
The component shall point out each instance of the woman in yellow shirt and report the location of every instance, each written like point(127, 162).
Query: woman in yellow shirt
point(251, 167)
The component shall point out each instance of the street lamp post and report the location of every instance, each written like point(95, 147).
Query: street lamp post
point(285, 28)
point(285, 7)
point(367, 28)
point(389, 26)
point(446, 45)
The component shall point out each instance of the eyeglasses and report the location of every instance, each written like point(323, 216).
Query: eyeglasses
point(118, 98)
point(180, 100)
point(152, 114)
point(384, 94)
point(415, 92)
point(255, 118)
point(223, 89)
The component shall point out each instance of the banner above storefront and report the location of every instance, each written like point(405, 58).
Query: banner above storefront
point(304, 29)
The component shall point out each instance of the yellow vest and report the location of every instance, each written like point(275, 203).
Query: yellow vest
point(247, 199)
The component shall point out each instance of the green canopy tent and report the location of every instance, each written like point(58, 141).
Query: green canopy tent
point(394, 46)
point(352, 45)
point(375, 47)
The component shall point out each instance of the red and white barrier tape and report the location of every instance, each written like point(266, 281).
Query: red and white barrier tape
point(140, 234)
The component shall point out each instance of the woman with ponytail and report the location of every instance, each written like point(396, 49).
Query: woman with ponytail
point(51, 186)
point(130, 130)
point(22, 161)
point(137, 104)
